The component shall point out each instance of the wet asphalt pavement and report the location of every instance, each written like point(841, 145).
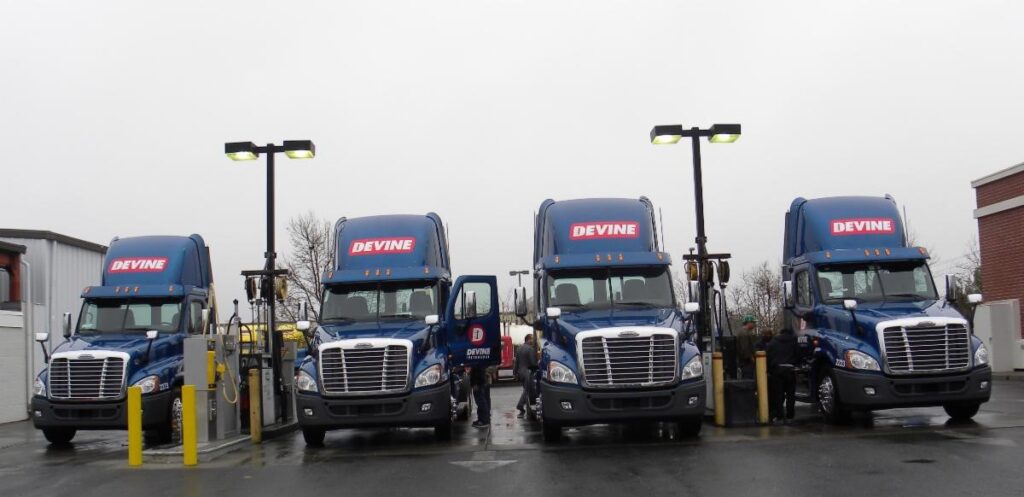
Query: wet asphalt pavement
point(903, 452)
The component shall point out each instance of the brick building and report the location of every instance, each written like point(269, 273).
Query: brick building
point(1000, 215)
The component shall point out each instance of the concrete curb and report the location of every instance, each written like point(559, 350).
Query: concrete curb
point(209, 451)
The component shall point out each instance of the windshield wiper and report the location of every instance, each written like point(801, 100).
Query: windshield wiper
point(383, 316)
point(339, 318)
point(912, 295)
point(637, 303)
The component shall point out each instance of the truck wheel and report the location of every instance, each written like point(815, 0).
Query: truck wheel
point(171, 431)
point(314, 437)
point(443, 431)
point(59, 436)
point(690, 427)
point(465, 414)
point(552, 432)
point(829, 405)
point(962, 412)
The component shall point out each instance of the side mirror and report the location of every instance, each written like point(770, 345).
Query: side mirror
point(554, 312)
point(952, 288)
point(691, 307)
point(42, 337)
point(519, 301)
point(469, 304)
point(692, 291)
point(152, 334)
point(974, 298)
point(302, 326)
point(850, 304)
point(304, 312)
point(204, 317)
point(787, 294)
point(432, 320)
point(66, 321)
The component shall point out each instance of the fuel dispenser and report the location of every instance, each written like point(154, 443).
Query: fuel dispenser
point(211, 364)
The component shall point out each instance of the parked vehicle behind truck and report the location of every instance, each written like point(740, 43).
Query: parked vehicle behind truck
point(875, 332)
point(155, 291)
point(394, 332)
point(613, 347)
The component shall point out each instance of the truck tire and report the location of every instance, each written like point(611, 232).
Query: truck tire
point(962, 412)
point(59, 436)
point(443, 431)
point(314, 437)
point(552, 432)
point(829, 405)
point(171, 431)
point(690, 427)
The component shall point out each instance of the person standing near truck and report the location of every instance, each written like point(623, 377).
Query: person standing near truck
point(783, 354)
point(480, 380)
point(526, 364)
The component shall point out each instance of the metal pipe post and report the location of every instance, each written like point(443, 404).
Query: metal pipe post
point(272, 336)
point(718, 379)
point(702, 249)
point(761, 371)
point(255, 409)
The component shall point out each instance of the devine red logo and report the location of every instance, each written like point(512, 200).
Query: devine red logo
point(477, 335)
point(595, 230)
point(138, 265)
point(377, 246)
point(863, 226)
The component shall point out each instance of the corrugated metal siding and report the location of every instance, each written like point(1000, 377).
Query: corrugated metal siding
point(14, 384)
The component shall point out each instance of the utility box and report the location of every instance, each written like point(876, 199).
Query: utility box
point(217, 404)
point(997, 324)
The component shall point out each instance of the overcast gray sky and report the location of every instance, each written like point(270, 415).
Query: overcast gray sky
point(114, 115)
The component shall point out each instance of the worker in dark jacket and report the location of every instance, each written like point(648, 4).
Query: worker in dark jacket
point(526, 364)
point(480, 382)
point(783, 353)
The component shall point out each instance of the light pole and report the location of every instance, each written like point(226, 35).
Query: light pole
point(520, 274)
point(246, 151)
point(670, 134)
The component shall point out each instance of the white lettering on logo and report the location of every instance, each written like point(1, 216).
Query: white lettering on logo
point(478, 353)
point(604, 229)
point(137, 265)
point(867, 226)
point(377, 246)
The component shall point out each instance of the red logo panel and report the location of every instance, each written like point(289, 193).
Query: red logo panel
point(137, 265)
point(863, 226)
point(477, 335)
point(378, 246)
point(596, 230)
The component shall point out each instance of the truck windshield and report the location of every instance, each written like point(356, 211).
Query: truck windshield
point(606, 288)
point(129, 316)
point(910, 280)
point(379, 301)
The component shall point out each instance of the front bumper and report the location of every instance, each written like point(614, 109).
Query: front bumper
point(48, 413)
point(603, 406)
point(402, 410)
point(894, 391)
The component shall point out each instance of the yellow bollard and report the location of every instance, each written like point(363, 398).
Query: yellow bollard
point(135, 426)
point(761, 370)
point(718, 379)
point(188, 425)
point(255, 410)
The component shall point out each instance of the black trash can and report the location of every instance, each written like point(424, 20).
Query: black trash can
point(740, 403)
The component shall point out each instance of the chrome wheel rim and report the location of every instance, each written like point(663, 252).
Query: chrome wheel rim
point(177, 415)
point(826, 395)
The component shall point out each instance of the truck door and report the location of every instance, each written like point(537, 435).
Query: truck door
point(474, 337)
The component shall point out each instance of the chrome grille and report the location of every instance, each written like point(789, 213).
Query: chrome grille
point(365, 370)
point(628, 359)
point(926, 349)
point(86, 378)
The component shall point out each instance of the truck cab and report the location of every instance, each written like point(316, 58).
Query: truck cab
point(395, 333)
point(155, 292)
point(864, 306)
point(612, 344)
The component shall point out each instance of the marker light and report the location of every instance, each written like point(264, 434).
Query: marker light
point(724, 133)
point(241, 151)
point(299, 149)
point(666, 134)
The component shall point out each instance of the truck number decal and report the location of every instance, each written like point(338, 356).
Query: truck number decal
point(863, 226)
point(376, 246)
point(137, 265)
point(604, 229)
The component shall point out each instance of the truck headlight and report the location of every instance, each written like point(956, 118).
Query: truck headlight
point(148, 384)
point(856, 359)
point(560, 373)
point(981, 355)
point(694, 368)
point(39, 388)
point(429, 376)
point(305, 382)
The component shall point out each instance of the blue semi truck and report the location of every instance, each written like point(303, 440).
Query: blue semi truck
point(614, 342)
point(874, 331)
point(155, 292)
point(395, 333)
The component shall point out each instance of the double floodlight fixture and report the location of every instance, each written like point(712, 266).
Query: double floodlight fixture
point(670, 134)
point(294, 149)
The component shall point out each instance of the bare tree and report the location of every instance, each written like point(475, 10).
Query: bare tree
point(759, 293)
point(968, 273)
point(308, 256)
